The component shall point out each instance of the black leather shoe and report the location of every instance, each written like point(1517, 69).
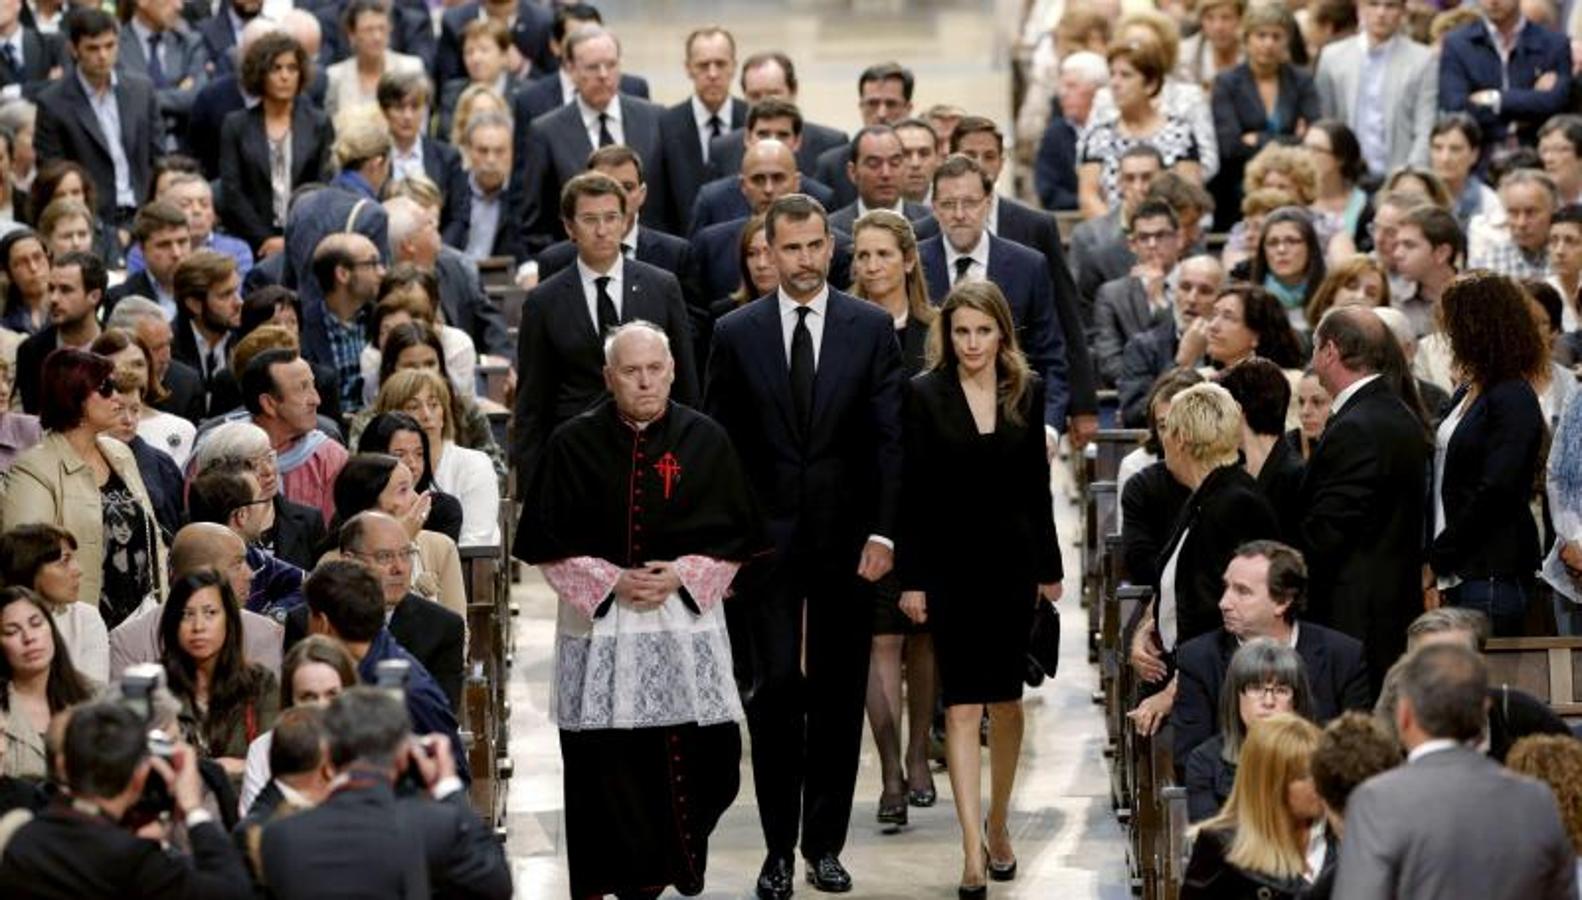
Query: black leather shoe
point(892, 812)
point(999, 871)
point(828, 875)
point(775, 878)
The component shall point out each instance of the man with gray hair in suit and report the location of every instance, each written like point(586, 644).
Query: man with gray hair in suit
point(1451, 822)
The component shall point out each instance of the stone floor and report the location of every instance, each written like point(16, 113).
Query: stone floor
point(1068, 843)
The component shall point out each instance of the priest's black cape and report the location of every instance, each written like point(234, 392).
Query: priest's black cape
point(641, 803)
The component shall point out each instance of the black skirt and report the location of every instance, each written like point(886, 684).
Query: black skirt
point(980, 640)
point(641, 804)
point(887, 615)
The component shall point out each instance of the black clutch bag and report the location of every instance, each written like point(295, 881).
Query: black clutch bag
point(1043, 650)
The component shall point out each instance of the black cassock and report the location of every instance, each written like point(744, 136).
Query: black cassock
point(646, 702)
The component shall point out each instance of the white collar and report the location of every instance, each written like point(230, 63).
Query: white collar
point(630, 237)
point(1339, 402)
point(701, 113)
point(588, 274)
point(292, 795)
point(991, 222)
point(1368, 46)
point(899, 208)
point(1435, 745)
point(1295, 634)
point(568, 88)
point(978, 254)
point(818, 304)
point(590, 116)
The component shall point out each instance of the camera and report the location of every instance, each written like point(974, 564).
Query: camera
point(393, 675)
point(139, 684)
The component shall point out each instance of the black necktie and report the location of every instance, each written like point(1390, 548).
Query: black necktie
point(608, 318)
point(715, 126)
point(605, 138)
point(963, 266)
point(156, 69)
point(802, 369)
point(13, 65)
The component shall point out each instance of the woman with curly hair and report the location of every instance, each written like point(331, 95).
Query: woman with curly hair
point(1247, 321)
point(1484, 546)
point(1556, 760)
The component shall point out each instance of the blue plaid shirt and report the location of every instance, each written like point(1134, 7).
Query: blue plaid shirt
point(346, 345)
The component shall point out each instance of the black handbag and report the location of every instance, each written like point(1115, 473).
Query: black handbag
point(1043, 649)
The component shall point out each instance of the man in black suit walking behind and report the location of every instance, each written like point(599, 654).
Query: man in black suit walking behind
point(807, 382)
point(1362, 496)
point(560, 353)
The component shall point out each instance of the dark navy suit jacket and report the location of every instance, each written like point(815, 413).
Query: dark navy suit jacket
point(725, 152)
point(542, 96)
point(722, 200)
point(685, 171)
point(1469, 63)
point(530, 32)
point(716, 251)
point(1023, 276)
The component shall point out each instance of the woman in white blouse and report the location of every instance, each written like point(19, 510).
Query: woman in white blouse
point(44, 558)
point(466, 474)
point(354, 81)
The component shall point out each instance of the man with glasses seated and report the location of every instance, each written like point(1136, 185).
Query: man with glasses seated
point(296, 530)
point(435, 636)
point(229, 495)
point(1134, 303)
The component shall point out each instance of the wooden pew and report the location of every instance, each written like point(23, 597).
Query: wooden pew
point(493, 378)
point(483, 709)
point(1549, 668)
point(497, 271)
point(1124, 692)
point(1098, 520)
point(1110, 445)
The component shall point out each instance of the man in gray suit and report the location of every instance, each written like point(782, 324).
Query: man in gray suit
point(1382, 84)
point(1099, 252)
point(1451, 822)
point(157, 44)
point(1136, 302)
point(558, 143)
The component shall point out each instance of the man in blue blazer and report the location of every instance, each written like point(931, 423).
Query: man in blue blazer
point(1506, 99)
point(807, 381)
point(721, 199)
point(772, 76)
point(559, 143)
point(687, 129)
point(884, 97)
point(965, 250)
point(560, 349)
point(1265, 594)
point(874, 163)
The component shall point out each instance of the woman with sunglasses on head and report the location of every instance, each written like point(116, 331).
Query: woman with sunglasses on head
point(88, 483)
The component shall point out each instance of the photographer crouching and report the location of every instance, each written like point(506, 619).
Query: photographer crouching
point(81, 845)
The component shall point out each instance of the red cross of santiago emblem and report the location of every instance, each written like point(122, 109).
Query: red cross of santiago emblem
point(669, 470)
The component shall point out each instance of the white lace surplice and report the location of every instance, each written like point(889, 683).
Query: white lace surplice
point(629, 669)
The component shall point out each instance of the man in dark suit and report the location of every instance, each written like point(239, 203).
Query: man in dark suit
point(722, 199)
point(496, 211)
point(980, 139)
point(1151, 353)
point(560, 354)
point(1265, 593)
point(807, 382)
point(299, 776)
point(29, 60)
point(405, 98)
point(965, 250)
point(884, 97)
point(414, 238)
point(687, 129)
point(558, 144)
point(1509, 99)
point(1451, 822)
point(529, 23)
point(78, 847)
point(208, 290)
point(647, 245)
point(157, 44)
point(76, 285)
point(772, 76)
point(552, 85)
point(428, 631)
point(1362, 531)
point(874, 163)
point(1099, 252)
point(219, 98)
point(222, 34)
point(363, 839)
point(1134, 303)
point(108, 122)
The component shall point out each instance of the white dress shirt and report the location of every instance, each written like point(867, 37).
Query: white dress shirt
point(1430, 746)
point(405, 164)
point(568, 88)
point(629, 241)
point(815, 320)
point(701, 114)
point(899, 208)
point(1339, 402)
point(15, 43)
point(590, 291)
point(590, 121)
point(979, 255)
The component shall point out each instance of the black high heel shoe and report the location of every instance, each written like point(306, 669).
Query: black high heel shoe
point(977, 891)
point(892, 812)
point(998, 871)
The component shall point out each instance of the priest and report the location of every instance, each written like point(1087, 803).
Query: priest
point(639, 516)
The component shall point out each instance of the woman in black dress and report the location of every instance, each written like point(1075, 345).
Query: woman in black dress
point(978, 548)
point(886, 271)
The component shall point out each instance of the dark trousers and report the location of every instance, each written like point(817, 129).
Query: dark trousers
point(1503, 598)
point(806, 726)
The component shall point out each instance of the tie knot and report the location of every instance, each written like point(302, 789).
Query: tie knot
point(714, 122)
point(802, 312)
point(963, 266)
point(602, 282)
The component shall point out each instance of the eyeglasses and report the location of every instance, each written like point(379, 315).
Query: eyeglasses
point(1268, 691)
point(259, 501)
point(1283, 243)
point(376, 263)
point(386, 557)
point(1153, 237)
point(263, 461)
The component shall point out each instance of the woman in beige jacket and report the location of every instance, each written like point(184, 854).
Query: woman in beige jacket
point(89, 484)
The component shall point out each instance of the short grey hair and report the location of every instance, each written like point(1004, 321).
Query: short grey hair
point(18, 115)
point(1536, 177)
point(405, 215)
point(486, 119)
point(584, 34)
point(1087, 65)
point(635, 326)
point(132, 310)
point(232, 442)
point(366, 724)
